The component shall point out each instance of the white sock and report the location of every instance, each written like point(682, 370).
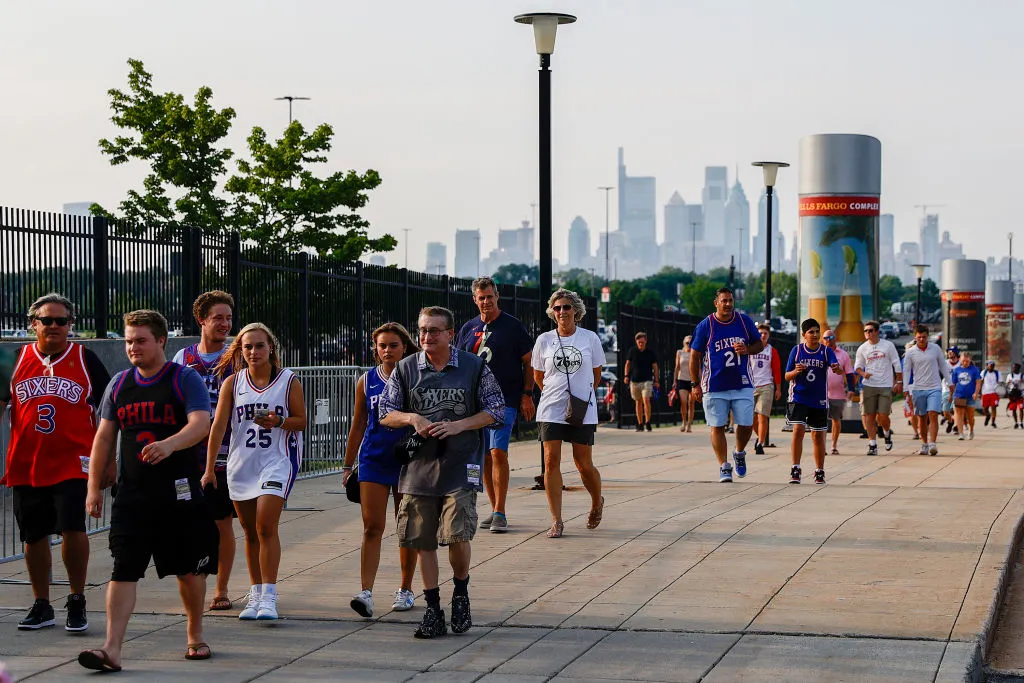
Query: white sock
point(270, 589)
point(872, 442)
point(257, 589)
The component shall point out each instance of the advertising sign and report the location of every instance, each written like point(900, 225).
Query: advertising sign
point(838, 268)
point(999, 327)
point(964, 316)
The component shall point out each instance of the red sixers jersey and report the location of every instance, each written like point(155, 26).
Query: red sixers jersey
point(52, 422)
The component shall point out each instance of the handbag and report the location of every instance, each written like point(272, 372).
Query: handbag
point(576, 408)
point(352, 485)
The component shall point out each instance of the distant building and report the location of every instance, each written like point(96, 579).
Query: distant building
point(514, 246)
point(377, 260)
point(737, 228)
point(579, 244)
point(948, 249)
point(909, 254)
point(467, 253)
point(886, 245)
point(437, 258)
point(637, 217)
point(759, 239)
point(714, 196)
point(930, 243)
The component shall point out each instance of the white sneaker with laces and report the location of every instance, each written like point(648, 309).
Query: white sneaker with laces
point(362, 603)
point(933, 449)
point(404, 600)
point(924, 449)
point(251, 607)
point(268, 607)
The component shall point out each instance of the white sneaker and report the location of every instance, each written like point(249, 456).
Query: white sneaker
point(268, 607)
point(933, 449)
point(404, 600)
point(924, 449)
point(971, 437)
point(251, 607)
point(363, 604)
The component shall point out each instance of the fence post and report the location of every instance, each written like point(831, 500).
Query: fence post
point(100, 274)
point(405, 297)
point(233, 254)
point(194, 275)
point(304, 340)
point(360, 340)
point(446, 284)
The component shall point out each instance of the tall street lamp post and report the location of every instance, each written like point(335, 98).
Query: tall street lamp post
point(919, 271)
point(607, 257)
point(770, 170)
point(545, 26)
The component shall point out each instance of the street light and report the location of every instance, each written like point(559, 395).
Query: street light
point(545, 26)
point(919, 271)
point(770, 170)
point(607, 258)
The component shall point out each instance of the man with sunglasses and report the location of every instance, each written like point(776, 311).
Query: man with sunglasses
point(54, 390)
point(878, 364)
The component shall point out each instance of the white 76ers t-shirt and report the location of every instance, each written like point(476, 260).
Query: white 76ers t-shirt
point(573, 363)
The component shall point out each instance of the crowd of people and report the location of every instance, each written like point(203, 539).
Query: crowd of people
point(216, 434)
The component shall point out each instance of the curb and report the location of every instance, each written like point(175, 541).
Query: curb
point(976, 668)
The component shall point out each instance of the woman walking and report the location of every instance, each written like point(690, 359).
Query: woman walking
point(684, 382)
point(372, 446)
point(266, 409)
point(566, 366)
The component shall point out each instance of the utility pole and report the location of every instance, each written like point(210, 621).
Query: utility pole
point(291, 99)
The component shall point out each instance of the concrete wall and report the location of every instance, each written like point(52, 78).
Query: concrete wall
point(111, 351)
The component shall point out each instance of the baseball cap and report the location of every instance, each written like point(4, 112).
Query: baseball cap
point(954, 349)
point(990, 362)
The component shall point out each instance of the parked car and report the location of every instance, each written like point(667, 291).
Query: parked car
point(14, 333)
point(904, 328)
point(889, 331)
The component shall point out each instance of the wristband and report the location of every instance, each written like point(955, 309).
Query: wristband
point(347, 468)
point(281, 423)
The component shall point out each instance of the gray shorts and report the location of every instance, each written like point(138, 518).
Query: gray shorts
point(876, 400)
point(424, 522)
point(836, 406)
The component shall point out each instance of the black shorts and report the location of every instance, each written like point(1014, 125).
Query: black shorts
point(44, 510)
point(684, 385)
point(218, 499)
point(814, 419)
point(180, 536)
point(556, 431)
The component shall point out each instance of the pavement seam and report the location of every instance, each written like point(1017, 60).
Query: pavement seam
point(306, 654)
point(874, 472)
point(951, 461)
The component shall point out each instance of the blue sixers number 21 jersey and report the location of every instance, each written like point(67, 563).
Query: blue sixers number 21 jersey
point(810, 388)
point(722, 369)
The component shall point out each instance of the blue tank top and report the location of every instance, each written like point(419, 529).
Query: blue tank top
point(722, 369)
point(378, 440)
point(213, 381)
point(811, 388)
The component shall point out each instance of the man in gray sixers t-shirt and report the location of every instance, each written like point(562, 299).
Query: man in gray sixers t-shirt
point(446, 395)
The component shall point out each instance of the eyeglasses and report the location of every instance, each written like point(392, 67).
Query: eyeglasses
point(869, 330)
point(432, 331)
point(564, 307)
point(47, 321)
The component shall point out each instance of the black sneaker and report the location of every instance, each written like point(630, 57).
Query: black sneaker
point(732, 430)
point(872, 450)
point(794, 474)
point(639, 427)
point(759, 448)
point(40, 615)
point(993, 424)
point(819, 476)
point(888, 440)
point(949, 427)
point(432, 625)
point(987, 418)
point(77, 619)
point(649, 429)
point(956, 430)
point(462, 620)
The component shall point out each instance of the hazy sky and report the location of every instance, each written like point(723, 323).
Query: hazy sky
point(440, 98)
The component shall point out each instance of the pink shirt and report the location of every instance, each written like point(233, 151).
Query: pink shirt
point(837, 383)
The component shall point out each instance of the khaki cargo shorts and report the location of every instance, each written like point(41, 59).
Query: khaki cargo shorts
point(424, 522)
point(876, 400)
point(764, 395)
point(641, 390)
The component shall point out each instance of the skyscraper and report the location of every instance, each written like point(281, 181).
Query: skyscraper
point(677, 228)
point(437, 258)
point(930, 242)
point(579, 244)
point(714, 195)
point(637, 217)
point(886, 245)
point(759, 239)
point(694, 242)
point(467, 253)
point(737, 227)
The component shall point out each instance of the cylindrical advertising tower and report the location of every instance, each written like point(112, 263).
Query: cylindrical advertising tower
point(963, 306)
point(1017, 351)
point(999, 323)
point(840, 181)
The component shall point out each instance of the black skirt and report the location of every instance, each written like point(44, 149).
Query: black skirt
point(556, 431)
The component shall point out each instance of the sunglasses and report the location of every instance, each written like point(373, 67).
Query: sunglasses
point(564, 307)
point(47, 321)
point(828, 338)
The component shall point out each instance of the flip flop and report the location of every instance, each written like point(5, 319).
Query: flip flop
point(594, 518)
point(835, 451)
point(221, 602)
point(195, 651)
point(97, 660)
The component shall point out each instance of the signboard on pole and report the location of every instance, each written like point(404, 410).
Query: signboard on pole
point(606, 294)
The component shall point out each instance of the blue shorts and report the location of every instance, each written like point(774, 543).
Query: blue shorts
point(499, 437)
point(927, 401)
point(947, 401)
point(718, 404)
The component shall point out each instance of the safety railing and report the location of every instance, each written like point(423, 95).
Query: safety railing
point(330, 401)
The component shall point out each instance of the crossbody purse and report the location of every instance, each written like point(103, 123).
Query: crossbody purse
point(576, 408)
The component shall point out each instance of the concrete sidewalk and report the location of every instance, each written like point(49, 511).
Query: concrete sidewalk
point(887, 573)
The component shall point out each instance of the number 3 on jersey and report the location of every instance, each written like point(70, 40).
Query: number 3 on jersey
point(44, 420)
point(260, 436)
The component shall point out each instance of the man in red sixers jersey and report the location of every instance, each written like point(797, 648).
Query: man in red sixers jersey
point(53, 393)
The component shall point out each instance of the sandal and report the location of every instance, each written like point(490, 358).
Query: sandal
point(97, 660)
point(556, 530)
point(835, 451)
point(221, 602)
point(594, 518)
point(198, 651)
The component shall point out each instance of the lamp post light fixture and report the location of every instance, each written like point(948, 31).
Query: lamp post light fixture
point(771, 171)
point(545, 26)
point(919, 272)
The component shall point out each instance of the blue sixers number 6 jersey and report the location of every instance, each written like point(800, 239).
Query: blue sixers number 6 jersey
point(722, 369)
point(811, 388)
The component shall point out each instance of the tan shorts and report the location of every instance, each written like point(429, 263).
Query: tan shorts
point(639, 390)
point(764, 395)
point(424, 522)
point(876, 400)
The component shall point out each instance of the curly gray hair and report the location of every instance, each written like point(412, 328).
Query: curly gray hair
point(51, 298)
point(576, 299)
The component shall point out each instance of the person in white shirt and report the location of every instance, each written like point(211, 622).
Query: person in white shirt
point(989, 395)
point(1015, 396)
point(877, 363)
point(926, 369)
point(766, 376)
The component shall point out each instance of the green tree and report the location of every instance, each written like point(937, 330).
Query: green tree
point(699, 296)
point(784, 292)
point(318, 213)
point(181, 144)
point(931, 298)
point(648, 298)
point(890, 290)
point(517, 274)
point(623, 291)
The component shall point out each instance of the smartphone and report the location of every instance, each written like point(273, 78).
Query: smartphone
point(263, 412)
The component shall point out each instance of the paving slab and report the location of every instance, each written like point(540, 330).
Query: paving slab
point(628, 656)
point(491, 650)
point(550, 654)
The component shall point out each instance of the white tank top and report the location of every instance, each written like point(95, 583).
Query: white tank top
point(254, 447)
point(761, 367)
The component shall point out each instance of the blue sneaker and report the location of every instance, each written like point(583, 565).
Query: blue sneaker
point(740, 458)
point(725, 474)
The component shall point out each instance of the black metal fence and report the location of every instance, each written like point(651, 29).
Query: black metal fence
point(322, 309)
point(665, 332)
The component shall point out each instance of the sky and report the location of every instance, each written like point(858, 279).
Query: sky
point(441, 99)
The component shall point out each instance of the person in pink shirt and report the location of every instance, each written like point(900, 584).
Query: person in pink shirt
point(840, 388)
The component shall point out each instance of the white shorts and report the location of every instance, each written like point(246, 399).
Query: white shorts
point(262, 473)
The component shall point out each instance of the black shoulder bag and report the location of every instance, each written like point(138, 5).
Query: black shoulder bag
point(576, 408)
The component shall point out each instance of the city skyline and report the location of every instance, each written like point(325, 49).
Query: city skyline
point(452, 102)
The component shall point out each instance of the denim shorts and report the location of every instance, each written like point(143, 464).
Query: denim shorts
point(500, 436)
point(718, 404)
point(927, 401)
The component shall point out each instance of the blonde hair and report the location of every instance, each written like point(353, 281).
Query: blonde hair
point(232, 360)
point(573, 297)
point(402, 333)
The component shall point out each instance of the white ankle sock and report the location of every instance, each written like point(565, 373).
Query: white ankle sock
point(257, 589)
point(270, 589)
